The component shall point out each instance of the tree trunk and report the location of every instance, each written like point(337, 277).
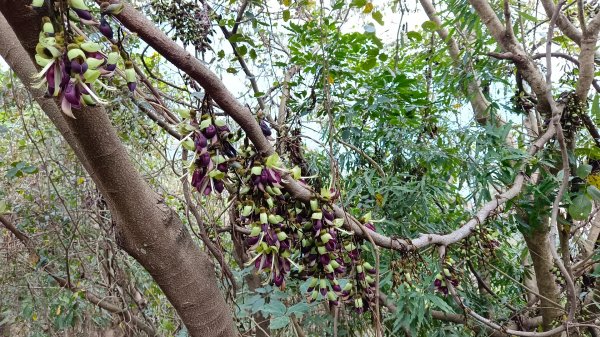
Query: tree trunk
point(539, 249)
point(146, 228)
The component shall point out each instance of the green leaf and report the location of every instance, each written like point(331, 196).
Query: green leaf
point(236, 38)
point(593, 192)
point(414, 36)
point(242, 50)
point(298, 309)
point(286, 15)
point(580, 207)
point(596, 107)
point(253, 54)
point(275, 308)
point(377, 16)
point(189, 145)
point(369, 64)
point(231, 70)
point(279, 322)
point(429, 26)
point(438, 302)
point(583, 171)
point(358, 3)
point(528, 16)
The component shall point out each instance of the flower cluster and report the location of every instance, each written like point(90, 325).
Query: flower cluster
point(209, 139)
point(440, 282)
point(283, 231)
point(71, 69)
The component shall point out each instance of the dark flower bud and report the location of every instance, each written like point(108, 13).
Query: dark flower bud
point(83, 14)
point(204, 159)
point(318, 224)
point(210, 131)
point(223, 129)
point(251, 240)
point(200, 141)
point(219, 185)
point(278, 280)
point(264, 177)
point(72, 94)
point(370, 226)
point(266, 130)
point(222, 167)
point(323, 291)
point(328, 215)
point(197, 178)
point(131, 86)
point(105, 29)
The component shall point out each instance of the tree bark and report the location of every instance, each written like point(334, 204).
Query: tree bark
point(147, 229)
point(539, 250)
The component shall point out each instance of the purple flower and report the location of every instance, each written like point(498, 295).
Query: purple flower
point(278, 280)
point(78, 68)
point(105, 28)
point(266, 130)
point(251, 240)
point(83, 14)
point(204, 159)
point(219, 185)
point(210, 131)
point(200, 141)
point(73, 95)
point(132, 86)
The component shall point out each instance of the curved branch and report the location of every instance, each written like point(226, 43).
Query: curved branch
point(136, 22)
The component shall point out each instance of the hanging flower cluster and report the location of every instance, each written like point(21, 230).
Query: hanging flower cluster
point(209, 140)
point(440, 282)
point(283, 231)
point(284, 234)
point(72, 69)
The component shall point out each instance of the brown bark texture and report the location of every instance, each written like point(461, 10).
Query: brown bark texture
point(147, 229)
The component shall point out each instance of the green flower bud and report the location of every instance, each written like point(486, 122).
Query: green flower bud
point(314, 205)
point(256, 170)
point(247, 210)
point(255, 231)
point(326, 237)
point(322, 250)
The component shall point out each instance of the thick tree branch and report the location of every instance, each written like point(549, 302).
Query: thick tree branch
point(527, 68)
point(562, 22)
point(473, 91)
point(147, 229)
